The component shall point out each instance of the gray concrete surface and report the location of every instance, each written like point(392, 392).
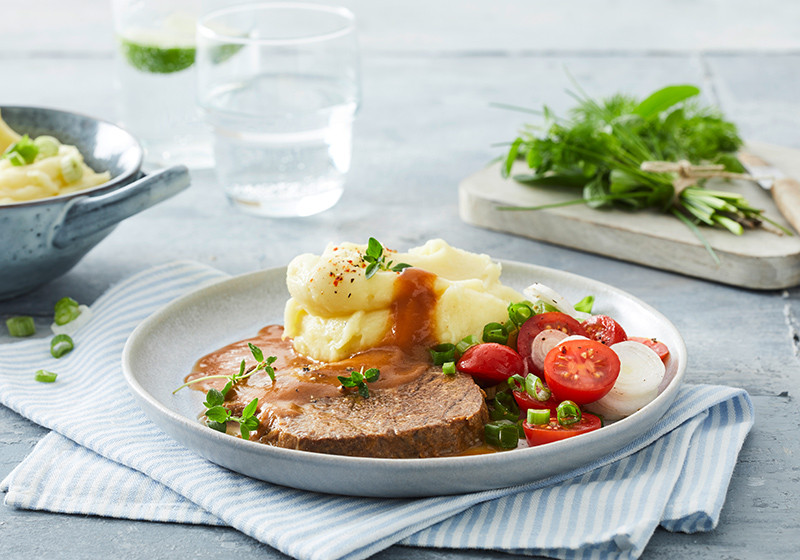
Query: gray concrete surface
point(431, 69)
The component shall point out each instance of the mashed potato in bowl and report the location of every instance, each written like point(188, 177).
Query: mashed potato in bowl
point(41, 167)
point(335, 311)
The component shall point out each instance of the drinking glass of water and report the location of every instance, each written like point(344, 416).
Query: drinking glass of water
point(279, 84)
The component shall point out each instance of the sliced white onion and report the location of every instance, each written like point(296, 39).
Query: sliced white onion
point(542, 344)
point(640, 374)
point(73, 326)
point(548, 295)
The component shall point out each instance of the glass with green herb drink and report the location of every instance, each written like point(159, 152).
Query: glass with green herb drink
point(156, 79)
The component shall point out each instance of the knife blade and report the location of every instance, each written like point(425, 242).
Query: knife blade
point(785, 190)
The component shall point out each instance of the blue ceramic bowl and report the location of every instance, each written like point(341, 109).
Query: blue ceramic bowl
point(43, 239)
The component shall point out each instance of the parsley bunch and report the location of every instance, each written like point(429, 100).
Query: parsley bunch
point(600, 146)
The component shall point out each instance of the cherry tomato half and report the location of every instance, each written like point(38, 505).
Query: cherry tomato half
point(491, 363)
point(658, 347)
point(525, 401)
point(581, 370)
point(539, 434)
point(603, 328)
point(538, 323)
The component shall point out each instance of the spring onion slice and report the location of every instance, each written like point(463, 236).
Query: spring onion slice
point(21, 326)
point(466, 343)
point(76, 324)
point(502, 433)
point(568, 413)
point(449, 368)
point(443, 353)
point(44, 376)
point(495, 332)
point(538, 416)
point(60, 345)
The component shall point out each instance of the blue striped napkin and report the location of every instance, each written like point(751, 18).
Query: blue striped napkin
point(119, 464)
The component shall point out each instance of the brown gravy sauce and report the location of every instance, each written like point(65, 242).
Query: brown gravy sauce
point(401, 357)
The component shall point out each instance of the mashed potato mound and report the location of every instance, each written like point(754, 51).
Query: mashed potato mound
point(335, 311)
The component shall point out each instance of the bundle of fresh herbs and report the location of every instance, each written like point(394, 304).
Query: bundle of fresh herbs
point(601, 145)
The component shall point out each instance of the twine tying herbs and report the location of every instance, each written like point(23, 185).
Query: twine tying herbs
point(688, 174)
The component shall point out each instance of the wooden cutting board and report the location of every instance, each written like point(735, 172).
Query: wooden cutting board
point(757, 259)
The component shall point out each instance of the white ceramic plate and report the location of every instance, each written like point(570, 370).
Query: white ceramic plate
point(162, 350)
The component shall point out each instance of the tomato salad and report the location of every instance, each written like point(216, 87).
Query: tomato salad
point(554, 370)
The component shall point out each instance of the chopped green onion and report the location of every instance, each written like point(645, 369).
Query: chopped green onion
point(516, 382)
point(60, 345)
point(536, 388)
point(502, 433)
point(466, 343)
point(21, 326)
point(543, 307)
point(495, 332)
point(585, 305)
point(44, 376)
point(21, 152)
point(47, 145)
point(16, 159)
point(449, 368)
point(538, 416)
point(66, 310)
point(504, 407)
point(568, 413)
point(443, 353)
point(520, 312)
point(71, 169)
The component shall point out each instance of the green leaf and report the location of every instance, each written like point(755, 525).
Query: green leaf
point(256, 351)
point(372, 374)
point(513, 152)
point(374, 248)
point(245, 431)
point(214, 398)
point(250, 409)
point(663, 99)
point(585, 305)
point(218, 414)
point(346, 381)
point(357, 377)
point(371, 269)
point(363, 390)
point(400, 266)
point(251, 423)
point(226, 388)
point(218, 426)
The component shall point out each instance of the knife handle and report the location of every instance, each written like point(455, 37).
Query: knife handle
point(786, 193)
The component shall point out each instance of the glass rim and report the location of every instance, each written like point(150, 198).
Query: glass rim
point(345, 14)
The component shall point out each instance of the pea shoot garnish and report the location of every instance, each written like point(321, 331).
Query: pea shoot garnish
point(218, 415)
point(359, 379)
point(376, 259)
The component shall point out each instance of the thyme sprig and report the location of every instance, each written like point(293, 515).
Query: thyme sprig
point(217, 413)
point(376, 259)
point(359, 379)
